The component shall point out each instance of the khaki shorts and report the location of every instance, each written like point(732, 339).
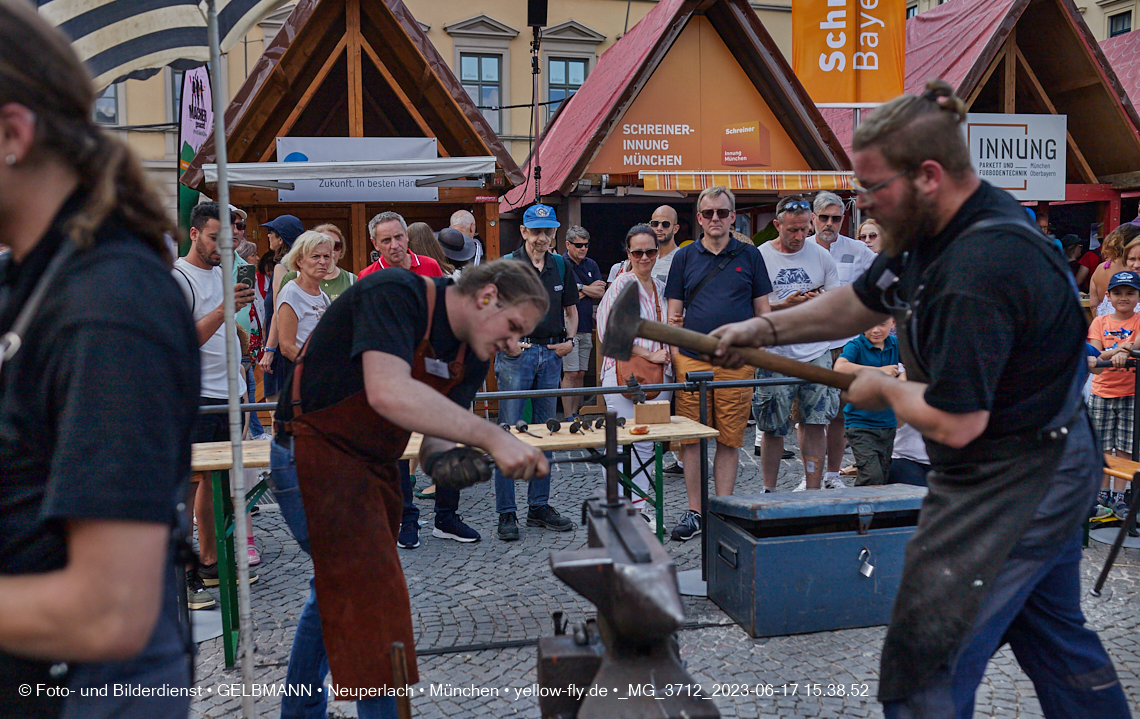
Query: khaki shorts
point(579, 358)
point(728, 408)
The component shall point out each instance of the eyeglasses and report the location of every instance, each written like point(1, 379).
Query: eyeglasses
point(665, 224)
point(794, 206)
point(866, 191)
point(240, 225)
point(579, 245)
point(638, 254)
point(720, 213)
point(830, 218)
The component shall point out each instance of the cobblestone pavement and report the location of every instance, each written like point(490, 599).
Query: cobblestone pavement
point(492, 591)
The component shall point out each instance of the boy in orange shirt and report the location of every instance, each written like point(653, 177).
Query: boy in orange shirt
point(1111, 404)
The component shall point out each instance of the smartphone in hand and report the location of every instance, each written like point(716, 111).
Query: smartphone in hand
point(247, 274)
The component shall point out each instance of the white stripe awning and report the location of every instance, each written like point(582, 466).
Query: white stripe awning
point(443, 167)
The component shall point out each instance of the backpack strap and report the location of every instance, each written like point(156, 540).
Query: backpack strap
point(193, 297)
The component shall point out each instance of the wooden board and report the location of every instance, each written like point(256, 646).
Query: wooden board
point(1120, 468)
point(213, 456)
point(678, 428)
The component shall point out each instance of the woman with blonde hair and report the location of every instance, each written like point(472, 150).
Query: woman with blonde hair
point(871, 234)
point(1112, 252)
point(337, 280)
point(422, 241)
point(300, 303)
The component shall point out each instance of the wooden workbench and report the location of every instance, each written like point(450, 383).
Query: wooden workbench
point(218, 456)
point(1120, 468)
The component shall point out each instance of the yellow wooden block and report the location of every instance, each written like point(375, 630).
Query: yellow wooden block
point(651, 413)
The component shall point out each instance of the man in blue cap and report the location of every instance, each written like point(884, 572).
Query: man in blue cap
point(538, 365)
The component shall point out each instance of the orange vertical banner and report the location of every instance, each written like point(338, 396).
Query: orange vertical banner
point(849, 51)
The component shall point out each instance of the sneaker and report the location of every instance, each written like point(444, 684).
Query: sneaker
point(1120, 509)
point(452, 527)
point(263, 437)
point(673, 469)
point(767, 490)
point(196, 595)
point(688, 527)
point(788, 454)
point(209, 575)
point(547, 516)
point(1099, 511)
point(832, 481)
point(508, 527)
point(802, 486)
point(650, 518)
point(254, 555)
point(409, 537)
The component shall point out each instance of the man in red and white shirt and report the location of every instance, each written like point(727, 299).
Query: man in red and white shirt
point(389, 235)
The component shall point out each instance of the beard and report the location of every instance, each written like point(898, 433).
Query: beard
point(916, 220)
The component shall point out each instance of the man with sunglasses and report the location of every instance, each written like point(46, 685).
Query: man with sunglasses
point(591, 286)
point(537, 365)
point(852, 259)
point(992, 335)
point(664, 223)
point(715, 280)
point(800, 270)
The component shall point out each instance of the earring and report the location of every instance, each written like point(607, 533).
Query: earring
point(10, 160)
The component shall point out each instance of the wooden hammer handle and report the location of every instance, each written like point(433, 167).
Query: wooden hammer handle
point(706, 344)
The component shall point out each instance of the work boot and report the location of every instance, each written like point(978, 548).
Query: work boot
point(547, 516)
point(508, 527)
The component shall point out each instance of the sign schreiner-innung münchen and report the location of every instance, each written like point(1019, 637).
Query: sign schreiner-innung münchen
point(1022, 154)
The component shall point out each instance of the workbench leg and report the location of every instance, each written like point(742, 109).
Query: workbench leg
point(627, 465)
point(227, 588)
point(659, 486)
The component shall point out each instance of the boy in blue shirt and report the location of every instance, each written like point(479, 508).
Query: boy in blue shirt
point(871, 434)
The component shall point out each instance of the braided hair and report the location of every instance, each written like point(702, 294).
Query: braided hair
point(58, 89)
point(912, 129)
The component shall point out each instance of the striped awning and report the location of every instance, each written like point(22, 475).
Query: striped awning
point(772, 181)
point(137, 38)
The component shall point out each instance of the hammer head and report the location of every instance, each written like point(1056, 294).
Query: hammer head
point(622, 325)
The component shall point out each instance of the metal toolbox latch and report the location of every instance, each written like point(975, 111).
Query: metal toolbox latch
point(866, 513)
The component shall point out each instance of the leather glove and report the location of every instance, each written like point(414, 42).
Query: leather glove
point(459, 467)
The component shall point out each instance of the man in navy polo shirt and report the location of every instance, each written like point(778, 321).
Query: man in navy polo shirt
point(591, 286)
point(712, 279)
point(537, 366)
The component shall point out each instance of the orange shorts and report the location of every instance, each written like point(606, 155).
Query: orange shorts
point(728, 408)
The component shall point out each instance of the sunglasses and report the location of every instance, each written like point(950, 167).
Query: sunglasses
point(830, 218)
point(868, 236)
point(794, 206)
point(579, 245)
point(240, 225)
point(665, 224)
point(338, 246)
point(638, 254)
point(721, 214)
point(866, 191)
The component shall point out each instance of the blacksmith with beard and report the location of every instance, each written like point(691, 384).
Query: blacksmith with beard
point(990, 327)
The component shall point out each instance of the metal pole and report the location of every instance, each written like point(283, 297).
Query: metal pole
point(237, 473)
point(704, 414)
point(856, 216)
point(536, 61)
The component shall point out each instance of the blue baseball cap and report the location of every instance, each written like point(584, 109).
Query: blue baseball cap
point(539, 217)
point(287, 227)
point(1126, 278)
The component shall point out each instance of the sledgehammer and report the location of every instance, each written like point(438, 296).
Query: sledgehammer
point(626, 324)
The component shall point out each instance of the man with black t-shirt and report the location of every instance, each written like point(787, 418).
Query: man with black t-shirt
point(990, 326)
point(396, 354)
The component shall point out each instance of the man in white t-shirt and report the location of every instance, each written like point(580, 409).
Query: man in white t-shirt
point(799, 271)
point(199, 275)
point(664, 223)
point(852, 259)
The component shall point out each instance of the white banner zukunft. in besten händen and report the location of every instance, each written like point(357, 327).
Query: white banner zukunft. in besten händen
point(357, 189)
point(1023, 154)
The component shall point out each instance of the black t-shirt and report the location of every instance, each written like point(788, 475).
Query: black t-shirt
point(95, 412)
point(561, 288)
point(999, 327)
point(386, 312)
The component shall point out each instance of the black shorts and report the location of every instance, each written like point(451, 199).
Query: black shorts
point(212, 427)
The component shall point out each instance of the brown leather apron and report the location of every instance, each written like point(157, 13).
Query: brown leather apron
point(347, 470)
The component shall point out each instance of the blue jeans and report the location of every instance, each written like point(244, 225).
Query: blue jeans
point(1034, 603)
point(308, 663)
point(535, 368)
point(255, 426)
point(446, 498)
point(308, 667)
